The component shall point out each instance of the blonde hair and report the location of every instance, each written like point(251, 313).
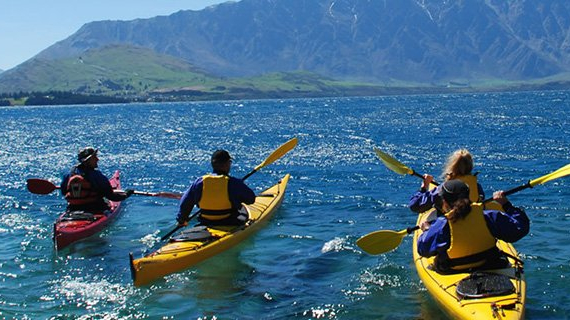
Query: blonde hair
point(459, 163)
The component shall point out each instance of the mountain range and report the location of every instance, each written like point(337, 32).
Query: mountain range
point(380, 43)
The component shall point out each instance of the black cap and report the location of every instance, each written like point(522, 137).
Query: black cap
point(220, 157)
point(86, 153)
point(453, 190)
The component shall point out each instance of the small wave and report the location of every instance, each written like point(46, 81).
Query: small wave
point(381, 280)
point(338, 244)
point(150, 239)
point(327, 311)
point(89, 295)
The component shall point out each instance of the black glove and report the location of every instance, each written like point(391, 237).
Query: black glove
point(182, 221)
point(129, 192)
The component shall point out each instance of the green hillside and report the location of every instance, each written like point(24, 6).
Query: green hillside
point(138, 74)
point(115, 70)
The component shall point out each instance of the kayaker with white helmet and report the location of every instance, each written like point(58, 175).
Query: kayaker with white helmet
point(86, 188)
point(464, 238)
point(218, 195)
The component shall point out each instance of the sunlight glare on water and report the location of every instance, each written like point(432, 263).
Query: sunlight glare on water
point(305, 263)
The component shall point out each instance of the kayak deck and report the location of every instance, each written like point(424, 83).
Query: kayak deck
point(176, 256)
point(443, 288)
point(71, 227)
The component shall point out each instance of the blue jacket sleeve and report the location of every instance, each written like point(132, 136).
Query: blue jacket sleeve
point(509, 226)
point(63, 185)
point(101, 184)
point(189, 199)
point(240, 193)
point(423, 201)
point(437, 238)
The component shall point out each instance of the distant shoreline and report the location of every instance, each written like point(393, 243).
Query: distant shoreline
point(71, 98)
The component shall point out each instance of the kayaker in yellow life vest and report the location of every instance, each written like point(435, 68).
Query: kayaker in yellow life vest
point(85, 188)
point(464, 238)
point(218, 195)
point(459, 165)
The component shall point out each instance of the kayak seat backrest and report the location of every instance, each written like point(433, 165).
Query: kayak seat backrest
point(484, 284)
point(78, 215)
point(193, 234)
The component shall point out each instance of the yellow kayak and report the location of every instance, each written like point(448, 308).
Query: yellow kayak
point(203, 243)
point(466, 299)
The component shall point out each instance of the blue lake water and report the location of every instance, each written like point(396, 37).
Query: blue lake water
point(304, 264)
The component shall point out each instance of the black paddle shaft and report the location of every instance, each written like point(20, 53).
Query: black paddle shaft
point(166, 236)
point(513, 190)
point(409, 230)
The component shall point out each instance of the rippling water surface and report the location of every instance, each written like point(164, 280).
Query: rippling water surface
point(304, 264)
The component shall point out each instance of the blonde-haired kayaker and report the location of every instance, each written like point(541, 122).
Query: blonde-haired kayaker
point(459, 165)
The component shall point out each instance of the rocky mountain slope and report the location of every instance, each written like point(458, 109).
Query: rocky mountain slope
point(423, 40)
point(378, 41)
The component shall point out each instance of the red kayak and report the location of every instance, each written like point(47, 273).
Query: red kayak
point(73, 226)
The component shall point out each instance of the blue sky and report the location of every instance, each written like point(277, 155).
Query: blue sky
point(29, 26)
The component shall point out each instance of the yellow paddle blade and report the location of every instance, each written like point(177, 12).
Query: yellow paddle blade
point(562, 172)
point(282, 150)
point(392, 163)
point(381, 241)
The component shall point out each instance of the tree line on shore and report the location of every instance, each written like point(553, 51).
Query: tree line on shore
point(55, 98)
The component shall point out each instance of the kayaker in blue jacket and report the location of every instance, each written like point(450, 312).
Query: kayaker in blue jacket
point(218, 195)
point(86, 188)
point(459, 165)
point(465, 237)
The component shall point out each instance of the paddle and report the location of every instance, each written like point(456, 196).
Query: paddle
point(382, 241)
point(277, 154)
point(41, 186)
point(397, 166)
point(166, 236)
point(562, 172)
point(274, 156)
point(169, 195)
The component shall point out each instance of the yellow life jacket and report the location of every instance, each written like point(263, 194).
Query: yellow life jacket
point(470, 239)
point(215, 201)
point(471, 181)
point(474, 195)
